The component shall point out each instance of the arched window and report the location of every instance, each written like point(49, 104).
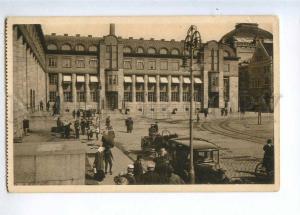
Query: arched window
point(140, 50)
point(79, 47)
point(175, 52)
point(127, 49)
point(93, 48)
point(66, 47)
point(52, 47)
point(163, 51)
point(151, 50)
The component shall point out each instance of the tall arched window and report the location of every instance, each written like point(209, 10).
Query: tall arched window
point(140, 50)
point(163, 51)
point(151, 50)
point(212, 59)
point(175, 52)
point(52, 47)
point(93, 48)
point(79, 47)
point(127, 49)
point(66, 47)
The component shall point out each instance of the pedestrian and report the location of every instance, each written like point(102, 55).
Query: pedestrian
point(41, 105)
point(54, 109)
point(222, 112)
point(48, 106)
point(150, 177)
point(83, 126)
point(78, 113)
point(77, 128)
point(67, 129)
point(268, 160)
point(198, 117)
point(162, 162)
point(130, 125)
point(138, 168)
point(107, 121)
point(74, 113)
point(205, 112)
point(108, 159)
point(129, 175)
point(98, 165)
point(127, 125)
point(226, 111)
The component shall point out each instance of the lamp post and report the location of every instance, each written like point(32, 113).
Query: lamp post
point(192, 42)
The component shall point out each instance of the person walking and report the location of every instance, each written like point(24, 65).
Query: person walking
point(130, 125)
point(198, 117)
point(127, 125)
point(138, 168)
point(108, 159)
point(205, 112)
point(268, 160)
point(48, 106)
point(41, 105)
point(98, 165)
point(77, 128)
point(83, 125)
point(78, 113)
point(54, 109)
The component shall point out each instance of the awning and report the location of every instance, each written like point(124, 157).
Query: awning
point(197, 80)
point(80, 78)
point(152, 80)
point(93, 79)
point(67, 78)
point(186, 80)
point(139, 79)
point(127, 79)
point(163, 80)
point(175, 80)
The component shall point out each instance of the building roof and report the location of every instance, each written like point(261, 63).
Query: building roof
point(247, 30)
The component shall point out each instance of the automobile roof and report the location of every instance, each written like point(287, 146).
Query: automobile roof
point(198, 143)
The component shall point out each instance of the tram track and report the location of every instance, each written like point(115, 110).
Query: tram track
point(220, 128)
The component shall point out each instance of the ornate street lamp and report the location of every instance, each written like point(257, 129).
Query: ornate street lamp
point(192, 43)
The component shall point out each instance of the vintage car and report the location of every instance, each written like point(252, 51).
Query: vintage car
point(205, 157)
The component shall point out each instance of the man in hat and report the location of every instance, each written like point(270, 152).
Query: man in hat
point(150, 177)
point(129, 175)
point(138, 168)
point(268, 159)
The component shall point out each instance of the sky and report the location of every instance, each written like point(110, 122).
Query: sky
point(155, 29)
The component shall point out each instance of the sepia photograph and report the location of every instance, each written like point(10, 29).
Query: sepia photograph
point(178, 103)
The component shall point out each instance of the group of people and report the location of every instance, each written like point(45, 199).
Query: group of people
point(159, 171)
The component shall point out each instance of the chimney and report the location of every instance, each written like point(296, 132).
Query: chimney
point(111, 29)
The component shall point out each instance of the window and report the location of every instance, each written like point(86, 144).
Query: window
point(186, 92)
point(197, 93)
point(175, 52)
point(112, 79)
point(93, 91)
point(163, 51)
point(151, 51)
point(52, 47)
point(226, 68)
point(151, 92)
point(175, 93)
point(80, 90)
point(52, 62)
point(127, 64)
point(93, 48)
point(111, 57)
point(93, 62)
point(175, 66)
point(214, 60)
point(52, 96)
point(139, 65)
point(163, 65)
point(93, 95)
point(66, 47)
point(66, 63)
point(79, 47)
point(80, 63)
point(139, 92)
point(140, 50)
point(53, 79)
point(151, 65)
point(127, 50)
point(163, 92)
point(127, 92)
point(67, 86)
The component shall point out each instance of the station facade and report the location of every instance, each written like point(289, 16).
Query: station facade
point(146, 76)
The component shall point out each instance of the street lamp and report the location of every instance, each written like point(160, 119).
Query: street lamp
point(192, 42)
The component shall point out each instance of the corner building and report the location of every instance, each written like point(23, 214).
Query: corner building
point(143, 76)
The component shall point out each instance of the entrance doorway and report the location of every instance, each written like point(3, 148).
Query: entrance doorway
point(112, 100)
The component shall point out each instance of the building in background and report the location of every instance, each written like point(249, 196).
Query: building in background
point(254, 47)
point(29, 74)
